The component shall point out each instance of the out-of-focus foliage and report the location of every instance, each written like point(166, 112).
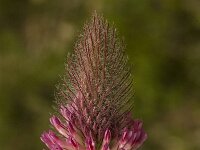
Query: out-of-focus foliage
point(163, 43)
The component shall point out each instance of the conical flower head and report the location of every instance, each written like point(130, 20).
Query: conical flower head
point(95, 96)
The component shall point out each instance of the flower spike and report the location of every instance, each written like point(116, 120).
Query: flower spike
point(95, 96)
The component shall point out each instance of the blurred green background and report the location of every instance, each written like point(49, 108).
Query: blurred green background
point(163, 43)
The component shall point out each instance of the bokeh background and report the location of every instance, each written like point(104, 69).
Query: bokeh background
point(163, 43)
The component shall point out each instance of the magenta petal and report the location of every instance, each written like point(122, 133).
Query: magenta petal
point(50, 143)
point(107, 136)
point(90, 144)
point(59, 126)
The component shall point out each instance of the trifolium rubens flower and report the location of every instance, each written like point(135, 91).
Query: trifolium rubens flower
point(94, 99)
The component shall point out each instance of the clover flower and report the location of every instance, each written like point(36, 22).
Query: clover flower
point(94, 99)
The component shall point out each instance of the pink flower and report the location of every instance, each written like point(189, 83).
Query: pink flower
point(94, 98)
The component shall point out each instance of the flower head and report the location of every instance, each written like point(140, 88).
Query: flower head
point(94, 98)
